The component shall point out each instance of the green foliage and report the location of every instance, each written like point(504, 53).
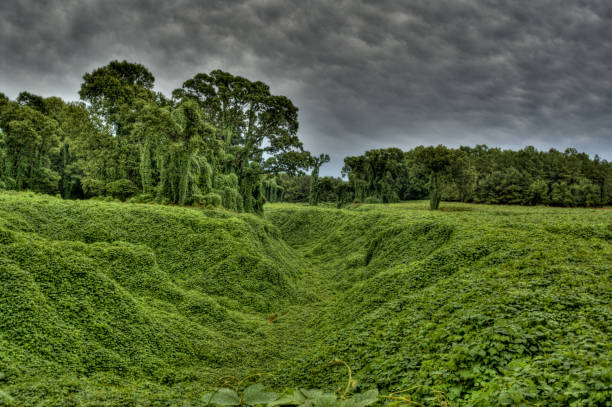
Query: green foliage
point(272, 191)
point(104, 302)
point(121, 189)
point(212, 199)
point(108, 303)
point(372, 200)
point(377, 173)
point(249, 123)
point(437, 161)
point(314, 179)
point(218, 125)
point(538, 192)
point(481, 174)
point(113, 91)
point(295, 188)
point(93, 187)
point(473, 305)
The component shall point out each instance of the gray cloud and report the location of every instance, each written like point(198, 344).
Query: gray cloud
point(364, 74)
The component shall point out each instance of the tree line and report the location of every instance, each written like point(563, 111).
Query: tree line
point(469, 174)
point(223, 140)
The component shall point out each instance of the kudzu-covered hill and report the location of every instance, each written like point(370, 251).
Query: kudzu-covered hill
point(472, 305)
point(116, 292)
point(105, 303)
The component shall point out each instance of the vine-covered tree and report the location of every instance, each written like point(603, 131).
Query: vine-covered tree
point(437, 162)
point(28, 139)
point(378, 175)
point(251, 123)
point(317, 162)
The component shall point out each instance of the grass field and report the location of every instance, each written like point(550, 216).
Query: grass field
point(125, 304)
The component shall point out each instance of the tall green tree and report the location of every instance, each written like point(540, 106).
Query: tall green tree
point(27, 139)
point(115, 93)
point(317, 162)
point(112, 90)
point(252, 123)
point(436, 161)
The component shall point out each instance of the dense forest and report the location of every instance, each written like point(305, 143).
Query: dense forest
point(223, 140)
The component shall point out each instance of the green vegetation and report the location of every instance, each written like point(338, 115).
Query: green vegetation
point(99, 294)
point(477, 305)
point(108, 303)
point(225, 141)
point(314, 179)
point(482, 175)
point(214, 143)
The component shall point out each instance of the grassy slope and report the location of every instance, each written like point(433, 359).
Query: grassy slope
point(127, 304)
point(482, 305)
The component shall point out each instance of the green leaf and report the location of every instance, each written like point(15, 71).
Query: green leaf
point(254, 395)
point(318, 398)
point(222, 397)
point(365, 399)
point(325, 400)
point(312, 394)
point(299, 396)
point(286, 400)
point(295, 399)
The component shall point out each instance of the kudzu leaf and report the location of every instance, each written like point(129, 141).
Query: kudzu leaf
point(299, 396)
point(325, 400)
point(295, 399)
point(365, 399)
point(286, 400)
point(222, 397)
point(312, 394)
point(254, 395)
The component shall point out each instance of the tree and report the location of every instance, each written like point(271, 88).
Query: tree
point(317, 162)
point(27, 140)
point(183, 164)
point(296, 188)
point(538, 192)
point(115, 94)
point(462, 175)
point(251, 123)
point(378, 174)
point(436, 160)
point(115, 87)
point(121, 189)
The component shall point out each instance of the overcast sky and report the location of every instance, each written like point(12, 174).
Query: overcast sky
point(364, 74)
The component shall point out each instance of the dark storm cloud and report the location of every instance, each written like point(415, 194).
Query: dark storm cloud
point(364, 74)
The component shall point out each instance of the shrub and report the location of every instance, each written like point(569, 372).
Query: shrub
point(93, 187)
point(212, 199)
